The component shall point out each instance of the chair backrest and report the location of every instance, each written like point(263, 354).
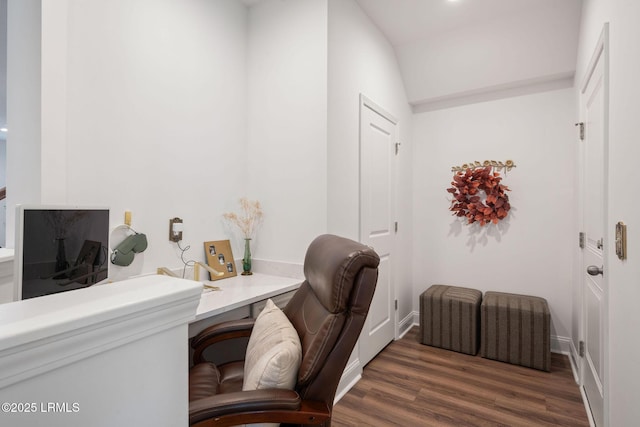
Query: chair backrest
point(329, 310)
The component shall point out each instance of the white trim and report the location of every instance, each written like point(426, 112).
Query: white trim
point(573, 359)
point(350, 377)
point(46, 333)
point(559, 344)
point(585, 401)
point(603, 41)
point(492, 93)
point(366, 102)
point(575, 369)
point(601, 51)
point(406, 324)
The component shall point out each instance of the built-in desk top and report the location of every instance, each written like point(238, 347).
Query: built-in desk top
point(240, 291)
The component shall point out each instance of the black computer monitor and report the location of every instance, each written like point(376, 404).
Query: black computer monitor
point(59, 248)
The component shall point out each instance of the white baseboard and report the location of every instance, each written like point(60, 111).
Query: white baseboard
point(350, 377)
point(416, 318)
point(573, 358)
point(559, 344)
point(587, 408)
point(406, 324)
point(353, 372)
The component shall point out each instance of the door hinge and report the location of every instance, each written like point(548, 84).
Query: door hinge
point(581, 349)
point(581, 240)
point(397, 148)
point(396, 305)
point(581, 127)
point(395, 226)
point(621, 240)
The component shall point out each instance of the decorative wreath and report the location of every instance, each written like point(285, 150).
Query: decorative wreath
point(468, 189)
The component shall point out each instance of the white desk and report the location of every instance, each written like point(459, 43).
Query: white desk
point(236, 296)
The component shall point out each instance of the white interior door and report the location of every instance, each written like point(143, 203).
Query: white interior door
point(378, 138)
point(593, 107)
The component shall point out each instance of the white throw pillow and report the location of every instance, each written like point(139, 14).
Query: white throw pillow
point(274, 352)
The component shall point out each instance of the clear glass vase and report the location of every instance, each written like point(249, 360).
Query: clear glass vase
point(246, 260)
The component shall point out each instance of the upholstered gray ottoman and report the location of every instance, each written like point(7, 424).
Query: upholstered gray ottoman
point(449, 318)
point(516, 329)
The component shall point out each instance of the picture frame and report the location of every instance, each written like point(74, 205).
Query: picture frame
point(220, 257)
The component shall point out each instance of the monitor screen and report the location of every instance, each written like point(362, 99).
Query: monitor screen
point(60, 249)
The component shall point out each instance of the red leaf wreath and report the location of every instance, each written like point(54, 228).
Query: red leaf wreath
point(467, 189)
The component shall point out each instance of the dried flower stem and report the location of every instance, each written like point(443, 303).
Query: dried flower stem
point(248, 219)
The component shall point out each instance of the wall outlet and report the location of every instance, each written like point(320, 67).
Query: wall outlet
point(175, 229)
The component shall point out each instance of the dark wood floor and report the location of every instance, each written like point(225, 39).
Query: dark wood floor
point(410, 384)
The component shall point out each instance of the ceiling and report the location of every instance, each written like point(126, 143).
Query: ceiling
point(461, 51)
point(406, 21)
point(455, 52)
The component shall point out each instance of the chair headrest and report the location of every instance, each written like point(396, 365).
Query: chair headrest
point(331, 265)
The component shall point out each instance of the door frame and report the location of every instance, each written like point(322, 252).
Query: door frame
point(366, 102)
point(601, 52)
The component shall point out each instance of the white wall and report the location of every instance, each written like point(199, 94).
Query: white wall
point(3, 64)
point(530, 251)
point(493, 53)
point(23, 107)
point(153, 101)
point(622, 382)
point(53, 94)
point(157, 93)
point(3, 116)
point(362, 61)
point(286, 161)
point(3, 183)
point(36, 85)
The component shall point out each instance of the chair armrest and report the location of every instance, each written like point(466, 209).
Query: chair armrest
point(220, 332)
point(256, 406)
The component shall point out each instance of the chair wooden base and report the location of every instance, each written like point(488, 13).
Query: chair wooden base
point(309, 413)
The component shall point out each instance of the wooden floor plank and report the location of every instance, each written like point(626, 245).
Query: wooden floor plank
point(410, 384)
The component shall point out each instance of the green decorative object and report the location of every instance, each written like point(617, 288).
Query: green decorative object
point(246, 260)
point(247, 221)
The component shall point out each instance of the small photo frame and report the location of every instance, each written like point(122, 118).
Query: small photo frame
point(219, 257)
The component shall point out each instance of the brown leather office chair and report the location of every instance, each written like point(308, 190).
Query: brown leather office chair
point(328, 312)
